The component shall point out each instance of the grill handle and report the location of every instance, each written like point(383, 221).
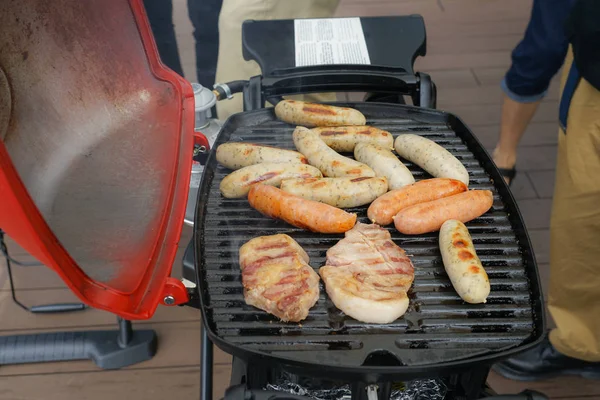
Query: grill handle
point(341, 79)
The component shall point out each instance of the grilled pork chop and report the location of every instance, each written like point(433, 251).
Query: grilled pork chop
point(367, 275)
point(277, 278)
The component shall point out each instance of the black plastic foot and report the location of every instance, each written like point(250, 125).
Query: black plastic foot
point(108, 349)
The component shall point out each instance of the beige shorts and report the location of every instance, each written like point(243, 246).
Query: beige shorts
point(231, 64)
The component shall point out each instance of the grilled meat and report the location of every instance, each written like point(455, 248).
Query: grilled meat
point(277, 278)
point(367, 275)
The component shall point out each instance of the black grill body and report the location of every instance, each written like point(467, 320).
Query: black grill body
point(439, 335)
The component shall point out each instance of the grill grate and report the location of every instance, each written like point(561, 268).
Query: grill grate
point(438, 326)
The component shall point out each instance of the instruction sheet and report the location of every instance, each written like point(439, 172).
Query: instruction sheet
point(330, 41)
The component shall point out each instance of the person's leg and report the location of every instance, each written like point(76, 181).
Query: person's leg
point(204, 15)
point(574, 301)
point(160, 16)
point(515, 119)
point(535, 60)
point(231, 65)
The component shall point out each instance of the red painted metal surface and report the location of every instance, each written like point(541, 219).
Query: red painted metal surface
point(175, 291)
point(201, 140)
point(96, 141)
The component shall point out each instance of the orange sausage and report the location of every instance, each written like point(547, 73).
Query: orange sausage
point(430, 216)
point(305, 214)
point(383, 209)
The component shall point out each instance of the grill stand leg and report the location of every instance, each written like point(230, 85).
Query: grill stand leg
point(238, 372)
point(206, 367)
point(473, 383)
point(108, 349)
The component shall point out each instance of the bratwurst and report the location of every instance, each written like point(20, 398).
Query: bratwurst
point(238, 183)
point(430, 156)
point(384, 163)
point(383, 210)
point(337, 192)
point(296, 211)
point(326, 159)
point(462, 264)
point(236, 155)
point(312, 114)
point(429, 216)
point(345, 138)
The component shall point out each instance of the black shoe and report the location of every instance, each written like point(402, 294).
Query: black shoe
point(509, 174)
point(543, 362)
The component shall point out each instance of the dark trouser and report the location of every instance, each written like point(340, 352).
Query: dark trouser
point(160, 15)
point(204, 15)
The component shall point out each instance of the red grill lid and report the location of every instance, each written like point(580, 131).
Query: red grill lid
point(96, 140)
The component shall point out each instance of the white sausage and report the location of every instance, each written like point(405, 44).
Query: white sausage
point(327, 160)
point(312, 114)
point(345, 138)
point(384, 163)
point(462, 264)
point(337, 192)
point(236, 155)
point(238, 183)
point(430, 156)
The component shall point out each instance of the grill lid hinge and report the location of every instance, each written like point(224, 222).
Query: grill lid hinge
point(174, 292)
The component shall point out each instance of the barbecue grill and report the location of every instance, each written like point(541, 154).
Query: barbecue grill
point(65, 196)
point(440, 335)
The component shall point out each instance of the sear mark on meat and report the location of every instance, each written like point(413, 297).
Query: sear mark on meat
point(367, 275)
point(277, 278)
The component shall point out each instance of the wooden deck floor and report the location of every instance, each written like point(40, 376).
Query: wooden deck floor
point(469, 44)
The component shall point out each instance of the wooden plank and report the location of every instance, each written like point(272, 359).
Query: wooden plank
point(451, 79)
point(178, 345)
point(536, 158)
point(493, 76)
point(537, 134)
point(450, 12)
point(543, 182)
point(429, 9)
point(14, 318)
point(489, 114)
point(465, 29)
point(544, 271)
point(485, 11)
point(140, 384)
point(478, 95)
point(490, 75)
point(562, 387)
point(521, 188)
point(458, 45)
point(435, 62)
point(536, 212)
point(590, 397)
point(540, 239)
